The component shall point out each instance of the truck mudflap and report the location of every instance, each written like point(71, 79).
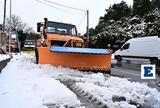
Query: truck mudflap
point(86, 59)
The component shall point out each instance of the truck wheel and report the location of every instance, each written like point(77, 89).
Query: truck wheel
point(154, 61)
point(36, 55)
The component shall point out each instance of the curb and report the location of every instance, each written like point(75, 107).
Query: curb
point(3, 63)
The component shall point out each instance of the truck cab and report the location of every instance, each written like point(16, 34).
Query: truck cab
point(58, 34)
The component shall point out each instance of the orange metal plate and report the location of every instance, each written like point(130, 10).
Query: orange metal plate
point(86, 62)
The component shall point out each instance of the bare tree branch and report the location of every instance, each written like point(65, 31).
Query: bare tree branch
point(17, 24)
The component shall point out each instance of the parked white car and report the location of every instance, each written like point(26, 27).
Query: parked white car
point(141, 49)
point(29, 44)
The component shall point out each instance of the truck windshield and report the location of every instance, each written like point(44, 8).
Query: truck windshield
point(60, 28)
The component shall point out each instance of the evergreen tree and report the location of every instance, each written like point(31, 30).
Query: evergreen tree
point(146, 6)
point(117, 11)
point(117, 25)
point(156, 4)
point(141, 7)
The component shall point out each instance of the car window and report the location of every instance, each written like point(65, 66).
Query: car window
point(125, 47)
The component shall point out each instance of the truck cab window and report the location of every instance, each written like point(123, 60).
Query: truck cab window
point(51, 29)
point(125, 47)
point(61, 28)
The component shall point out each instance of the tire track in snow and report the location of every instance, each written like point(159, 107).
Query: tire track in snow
point(88, 100)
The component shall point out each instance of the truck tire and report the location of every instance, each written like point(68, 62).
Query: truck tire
point(36, 55)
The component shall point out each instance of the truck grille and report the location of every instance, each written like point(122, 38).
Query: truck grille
point(57, 43)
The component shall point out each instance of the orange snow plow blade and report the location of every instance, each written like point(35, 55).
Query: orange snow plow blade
point(77, 60)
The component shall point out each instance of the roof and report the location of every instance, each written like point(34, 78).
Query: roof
point(148, 38)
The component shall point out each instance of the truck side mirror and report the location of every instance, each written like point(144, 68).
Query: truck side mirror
point(38, 27)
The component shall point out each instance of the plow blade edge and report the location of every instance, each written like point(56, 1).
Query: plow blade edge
point(85, 59)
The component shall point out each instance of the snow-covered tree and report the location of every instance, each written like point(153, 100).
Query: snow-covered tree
point(155, 4)
point(117, 32)
point(116, 11)
point(141, 7)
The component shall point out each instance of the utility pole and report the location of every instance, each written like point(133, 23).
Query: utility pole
point(87, 28)
point(4, 20)
point(10, 31)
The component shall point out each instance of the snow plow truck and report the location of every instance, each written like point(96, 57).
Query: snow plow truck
point(59, 45)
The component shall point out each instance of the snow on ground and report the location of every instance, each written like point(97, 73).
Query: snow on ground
point(24, 84)
point(132, 91)
point(104, 87)
point(4, 57)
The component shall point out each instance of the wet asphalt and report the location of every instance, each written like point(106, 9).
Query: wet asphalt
point(133, 73)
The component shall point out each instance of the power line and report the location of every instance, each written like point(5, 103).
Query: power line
point(50, 5)
point(83, 18)
point(63, 9)
point(65, 6)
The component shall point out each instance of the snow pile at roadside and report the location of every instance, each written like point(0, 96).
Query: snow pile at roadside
point(103, 87)
point(4, 57)
point(24, 85)
point(134, 92)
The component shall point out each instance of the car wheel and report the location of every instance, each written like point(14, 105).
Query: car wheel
point(154, 61)
point(118, 58)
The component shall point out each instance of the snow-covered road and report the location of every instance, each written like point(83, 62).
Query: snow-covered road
point(24, 84)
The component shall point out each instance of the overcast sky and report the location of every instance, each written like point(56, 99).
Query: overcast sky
point(32, 11)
